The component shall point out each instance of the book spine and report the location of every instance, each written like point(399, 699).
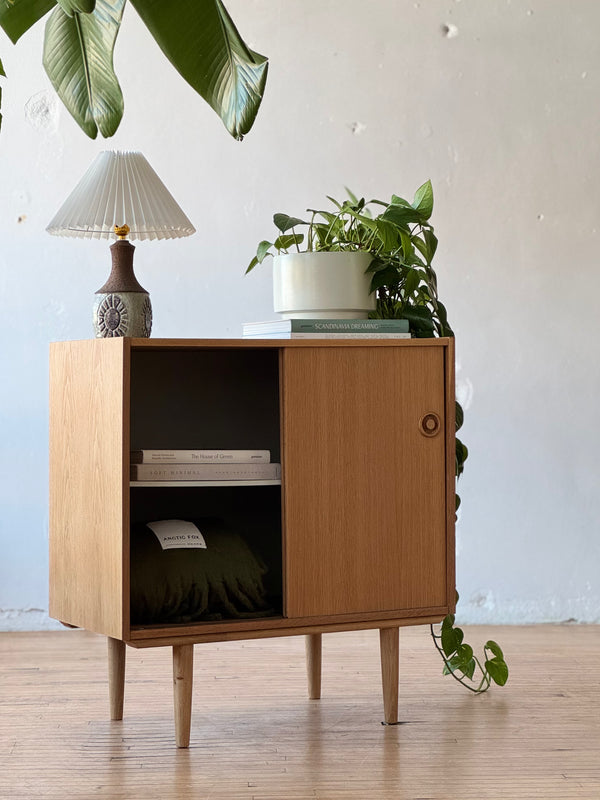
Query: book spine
point(379, 335)
point(348, 326)
point(200, 456)
point(205, 472)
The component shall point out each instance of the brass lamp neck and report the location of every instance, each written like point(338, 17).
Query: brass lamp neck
point(121, 231)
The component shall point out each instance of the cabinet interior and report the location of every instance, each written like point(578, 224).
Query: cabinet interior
point(210, 399)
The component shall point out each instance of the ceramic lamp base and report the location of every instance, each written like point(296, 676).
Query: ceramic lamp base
point(122, 306)
point(122, 314)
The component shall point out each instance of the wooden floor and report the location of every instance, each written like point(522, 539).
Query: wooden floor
point(256, 736)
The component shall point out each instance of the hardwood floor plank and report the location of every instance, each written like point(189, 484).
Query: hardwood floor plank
point(254, 736)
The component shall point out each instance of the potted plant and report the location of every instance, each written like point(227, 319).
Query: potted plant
point(399, 244)
point(339, 265)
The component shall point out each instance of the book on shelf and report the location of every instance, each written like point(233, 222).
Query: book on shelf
point(321, 326)
point(205, 472)
point(200, 456)
point(355, 335)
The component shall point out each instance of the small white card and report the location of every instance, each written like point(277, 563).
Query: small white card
point(177, 533)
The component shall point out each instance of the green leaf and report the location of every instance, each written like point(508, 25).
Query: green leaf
point(459, 416)
point(495, 649)
point(448, 621)
point(263, 249)
point(423, 202)
point(2, 70)
point(399, 201)
point(401, 215)
point(387, 233)
point(449, 641)
point(498, 670)
point(71, 7)
point(411, 282)
point(407, 245)
point(351, 195)
point(469, 668)
point(384, 277)
point(464, 652)
point(78, 57)
point(422, 247)
point(251, 265)
point(201, 41)
point(283, 242)
point(17, 16)
point(432, 242)
point(284, 222)
point(420, 318)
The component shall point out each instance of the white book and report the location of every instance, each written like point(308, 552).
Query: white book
point(200, 456)
point(205, 472)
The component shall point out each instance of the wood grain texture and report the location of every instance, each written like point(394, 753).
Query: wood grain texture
point(314, 648)
point(255, 736)
point(116, 677)
point(184, 344)
point(389, 640)
point(183, 682)
point(89, 487)
point(364, 491)
point(450, 476)
point(283, 626)
point(197, 634)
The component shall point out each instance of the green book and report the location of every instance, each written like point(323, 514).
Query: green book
point(317, 326)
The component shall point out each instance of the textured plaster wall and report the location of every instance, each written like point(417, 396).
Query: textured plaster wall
point(497, 102)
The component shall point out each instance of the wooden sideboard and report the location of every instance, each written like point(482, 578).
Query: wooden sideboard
point(357, 534)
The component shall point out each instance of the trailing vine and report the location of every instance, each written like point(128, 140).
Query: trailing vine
point(406, 287)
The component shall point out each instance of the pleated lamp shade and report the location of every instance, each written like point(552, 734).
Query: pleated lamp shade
point(120, 188)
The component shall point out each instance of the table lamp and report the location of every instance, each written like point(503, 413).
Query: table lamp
point(120, 196)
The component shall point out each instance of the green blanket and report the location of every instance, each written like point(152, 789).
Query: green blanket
point(188, 585)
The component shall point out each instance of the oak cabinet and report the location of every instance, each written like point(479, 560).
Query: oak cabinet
point(360, 527)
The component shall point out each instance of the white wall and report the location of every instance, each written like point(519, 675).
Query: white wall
point(497, 102)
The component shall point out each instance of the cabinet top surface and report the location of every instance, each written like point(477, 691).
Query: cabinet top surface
point(182, 344)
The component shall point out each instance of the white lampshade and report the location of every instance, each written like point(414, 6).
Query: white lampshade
point(120, 188)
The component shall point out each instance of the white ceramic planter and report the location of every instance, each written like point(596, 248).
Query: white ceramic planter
point(322, 285)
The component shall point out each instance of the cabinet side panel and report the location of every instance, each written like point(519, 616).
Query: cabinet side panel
point(451, 474)
point(364, 489)
point(88, 500)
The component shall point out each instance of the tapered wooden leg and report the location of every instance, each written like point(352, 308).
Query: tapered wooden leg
point(183, 674)
point(389, 645)
point(313, 664)
point(116, 677)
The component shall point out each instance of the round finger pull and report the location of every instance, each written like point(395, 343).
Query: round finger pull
point(430, 424)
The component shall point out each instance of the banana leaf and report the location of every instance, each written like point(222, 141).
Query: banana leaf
point(70, 7)
point(18, 16)
point(201, 41)
point(78, 57)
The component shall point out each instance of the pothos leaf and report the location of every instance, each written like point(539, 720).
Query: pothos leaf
point(284, 222)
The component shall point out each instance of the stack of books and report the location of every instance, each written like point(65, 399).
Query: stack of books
point(203, 465)
point(327, 329)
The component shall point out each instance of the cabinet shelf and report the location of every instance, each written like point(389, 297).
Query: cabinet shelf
point(190, 484)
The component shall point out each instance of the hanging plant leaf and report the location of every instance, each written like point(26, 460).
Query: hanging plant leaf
point(201, 41)
point(18, 16)
point(78, 57)
point(71, 7)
